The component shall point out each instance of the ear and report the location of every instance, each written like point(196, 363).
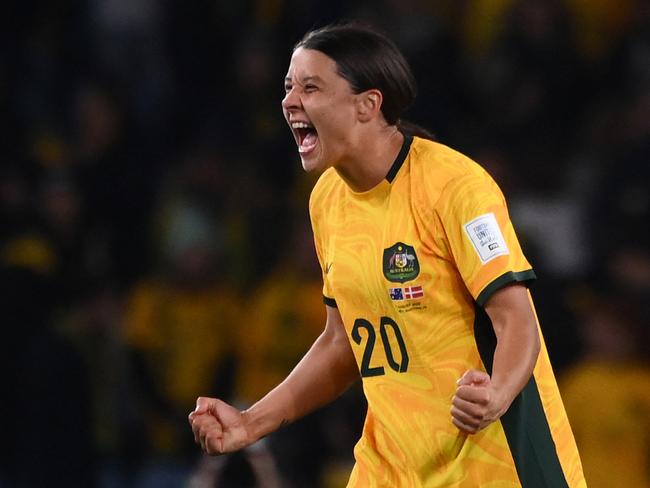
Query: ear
point(369, 104)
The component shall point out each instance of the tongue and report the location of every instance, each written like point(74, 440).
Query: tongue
point(309, 142)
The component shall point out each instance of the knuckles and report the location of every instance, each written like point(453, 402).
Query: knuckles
point(470, 416)
point(474, 394)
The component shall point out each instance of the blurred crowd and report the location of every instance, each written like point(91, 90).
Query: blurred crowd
point(155, 241)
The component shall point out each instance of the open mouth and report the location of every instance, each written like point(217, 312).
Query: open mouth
point(306, 136)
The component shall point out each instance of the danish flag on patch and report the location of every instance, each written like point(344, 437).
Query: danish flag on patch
point(411, 292)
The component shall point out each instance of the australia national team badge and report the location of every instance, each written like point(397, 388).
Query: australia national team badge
point(400, 263)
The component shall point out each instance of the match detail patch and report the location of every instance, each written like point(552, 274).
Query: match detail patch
point(486, 236)
point(406, 293)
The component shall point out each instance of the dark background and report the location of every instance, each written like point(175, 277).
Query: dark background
point(134, 132)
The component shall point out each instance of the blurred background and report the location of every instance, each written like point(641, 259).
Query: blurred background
point(155, 242)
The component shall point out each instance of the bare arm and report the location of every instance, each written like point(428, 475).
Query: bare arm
point(481, 399)
point(323, 374)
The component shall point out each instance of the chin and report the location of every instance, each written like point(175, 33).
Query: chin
point(313, 164)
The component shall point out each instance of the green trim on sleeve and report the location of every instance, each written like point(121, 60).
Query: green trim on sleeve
point(329, 302)
point(525, 424)
point(501, 281)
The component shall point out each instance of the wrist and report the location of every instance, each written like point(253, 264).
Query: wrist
point(260, 423)
point(251, 426)
point(500, 400)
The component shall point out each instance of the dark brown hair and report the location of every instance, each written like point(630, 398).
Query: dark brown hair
point(367, 59)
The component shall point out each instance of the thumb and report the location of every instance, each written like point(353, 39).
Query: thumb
point(474, 377)
point(204, 405)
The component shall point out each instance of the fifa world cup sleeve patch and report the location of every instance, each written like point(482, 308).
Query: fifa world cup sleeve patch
point(486, 237)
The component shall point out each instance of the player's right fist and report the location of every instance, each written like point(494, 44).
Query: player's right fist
point(218, 427)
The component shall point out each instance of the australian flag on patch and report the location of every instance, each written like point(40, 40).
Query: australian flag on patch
point(396, 293)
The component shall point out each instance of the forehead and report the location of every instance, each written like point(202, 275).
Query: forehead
point(308, 63)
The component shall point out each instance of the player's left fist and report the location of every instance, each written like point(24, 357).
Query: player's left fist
point(475, 404)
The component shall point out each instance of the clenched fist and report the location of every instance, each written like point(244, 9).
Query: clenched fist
point(218, 427)
point(476, 403)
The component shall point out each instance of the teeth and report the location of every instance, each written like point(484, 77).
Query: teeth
point(301, 125)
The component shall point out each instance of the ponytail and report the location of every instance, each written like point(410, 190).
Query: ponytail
point(410, 129)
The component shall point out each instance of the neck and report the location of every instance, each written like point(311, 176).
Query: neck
point(370, 164)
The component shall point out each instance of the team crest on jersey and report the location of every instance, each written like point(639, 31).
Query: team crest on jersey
point(400, 263)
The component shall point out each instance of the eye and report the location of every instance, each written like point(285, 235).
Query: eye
point(287, 87)
point(310, 88)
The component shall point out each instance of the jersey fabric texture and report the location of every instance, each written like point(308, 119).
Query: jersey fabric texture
point(410, 264)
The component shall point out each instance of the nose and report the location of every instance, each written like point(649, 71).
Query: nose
point(291, 100)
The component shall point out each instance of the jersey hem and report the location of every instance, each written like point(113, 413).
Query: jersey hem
point(509, 277)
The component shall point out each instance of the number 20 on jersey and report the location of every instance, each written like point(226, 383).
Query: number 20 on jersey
point(386, 324)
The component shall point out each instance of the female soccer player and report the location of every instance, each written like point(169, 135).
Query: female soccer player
point(425, 290)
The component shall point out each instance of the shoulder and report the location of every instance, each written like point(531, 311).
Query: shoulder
point(443, 161)
point(444, 171)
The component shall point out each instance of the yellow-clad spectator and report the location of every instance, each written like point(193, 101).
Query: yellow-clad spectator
point(180, 328)
point(607, 397)
point(284, 318)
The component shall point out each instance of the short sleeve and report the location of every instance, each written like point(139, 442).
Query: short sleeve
point(318, 229)
point(481, 237)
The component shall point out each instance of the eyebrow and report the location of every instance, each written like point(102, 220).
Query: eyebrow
point(306, 79)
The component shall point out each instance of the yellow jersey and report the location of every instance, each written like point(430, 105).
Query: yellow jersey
point(409, 265)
